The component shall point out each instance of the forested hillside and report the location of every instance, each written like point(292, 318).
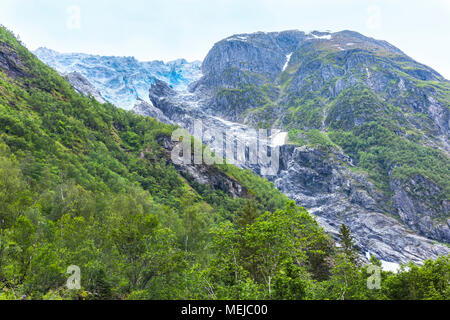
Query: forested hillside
point(91, 185)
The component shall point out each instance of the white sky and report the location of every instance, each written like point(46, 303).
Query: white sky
point(171, 29)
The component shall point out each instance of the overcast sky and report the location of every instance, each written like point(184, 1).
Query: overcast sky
point(171, 29)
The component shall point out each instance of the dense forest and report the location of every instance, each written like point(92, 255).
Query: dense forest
point(88, 184)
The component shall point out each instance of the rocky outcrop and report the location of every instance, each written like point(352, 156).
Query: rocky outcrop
point(420, 206)
point(83, 86)
point(204, 174)
point(260, 53)
point(10, 61)
point(335, 195)
point(147, 109)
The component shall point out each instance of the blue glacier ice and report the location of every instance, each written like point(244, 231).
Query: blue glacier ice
point(122, 80)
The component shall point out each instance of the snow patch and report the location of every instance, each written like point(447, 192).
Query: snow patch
point(386, 265)
point(237, 38)
point(368, 73)
point(390, 266)
point(228, 123)
point(288, 59)
point(278, 139)
point(324, 37)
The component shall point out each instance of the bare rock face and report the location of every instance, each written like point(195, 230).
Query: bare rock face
point(147, 109)
point(83, 86)
point(262, 53)
point(420, 206)
point(205, 174)
point(10, 61)
point(336, 195)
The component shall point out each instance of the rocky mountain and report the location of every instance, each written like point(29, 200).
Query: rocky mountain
point(121, 80)
point(83, 86)
point(302, 73)
point(362, 93)
point(367, 125)
point(387, 112)
point(326, 181)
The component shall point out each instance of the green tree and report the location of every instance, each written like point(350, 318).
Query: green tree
point(347, 244)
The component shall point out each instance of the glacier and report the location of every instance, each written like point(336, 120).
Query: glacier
point(288, 59)
point(122, 81)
